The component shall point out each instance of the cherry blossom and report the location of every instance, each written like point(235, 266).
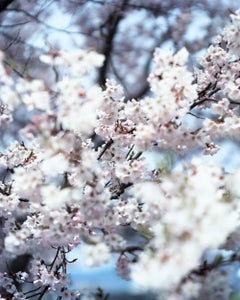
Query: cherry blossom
point(78, 175)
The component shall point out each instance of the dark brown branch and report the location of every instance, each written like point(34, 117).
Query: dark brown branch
point(23, 200)
point(131, 249)
point(35, 17)
point(106, 146)
point(112, 26)
point(4, 4)
point(201, 101)
point(16, 39)
point(205, 268)
point(155, 9)
point(198, 117)
point(120, 190)
point(31, 291)
point(15, 24)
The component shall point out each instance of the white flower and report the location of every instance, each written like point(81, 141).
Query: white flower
point(15, 243)
point(113, 89)
point(16, 154)
point(54, 198)
point(37, 100)
point(96, 255)
point(190, 289)
point(26, 182)
point(78, 60)
point(9, 97)
point(54, 165)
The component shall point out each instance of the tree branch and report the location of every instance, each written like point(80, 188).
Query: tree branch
point(4, 4)
point(112, 25)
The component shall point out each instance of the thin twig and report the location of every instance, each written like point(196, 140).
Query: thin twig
point(107, 146)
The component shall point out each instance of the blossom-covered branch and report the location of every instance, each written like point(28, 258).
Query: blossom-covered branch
point(61, 191)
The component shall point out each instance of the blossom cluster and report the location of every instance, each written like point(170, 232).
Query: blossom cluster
point(80, 173)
